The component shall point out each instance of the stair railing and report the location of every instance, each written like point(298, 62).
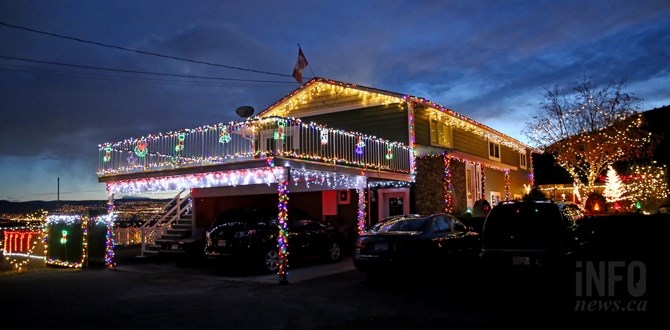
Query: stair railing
point(158, 225)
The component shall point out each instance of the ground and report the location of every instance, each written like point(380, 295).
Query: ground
point(166, 294)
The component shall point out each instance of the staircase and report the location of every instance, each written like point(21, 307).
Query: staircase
point(172, 231)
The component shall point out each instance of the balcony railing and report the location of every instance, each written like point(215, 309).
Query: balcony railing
point(254, 138)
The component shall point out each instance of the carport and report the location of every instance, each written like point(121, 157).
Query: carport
point(269, 155)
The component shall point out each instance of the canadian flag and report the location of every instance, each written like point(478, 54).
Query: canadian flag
point(300, 65)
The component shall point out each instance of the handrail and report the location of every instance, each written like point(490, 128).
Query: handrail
point(254, 138)
point(154, 228)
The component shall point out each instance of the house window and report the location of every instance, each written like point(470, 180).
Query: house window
point(494, 150)
point(270, 144)
point(440, 134)
point(495, 198)
point(523, 160)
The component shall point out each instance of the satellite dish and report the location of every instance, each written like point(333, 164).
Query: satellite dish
point(244, 111)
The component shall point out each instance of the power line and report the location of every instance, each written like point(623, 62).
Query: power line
point(140, 51)
point(141, 72)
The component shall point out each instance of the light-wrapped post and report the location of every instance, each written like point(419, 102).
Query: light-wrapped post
point(282, 238)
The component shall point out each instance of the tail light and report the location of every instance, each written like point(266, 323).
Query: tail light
point(361, 243)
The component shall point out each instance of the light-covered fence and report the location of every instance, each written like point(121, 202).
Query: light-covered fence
point(254, 138)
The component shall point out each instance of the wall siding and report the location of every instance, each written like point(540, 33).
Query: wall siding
point(422, 127)
point(386, 122)
point(495, 181)
point(516, 181)
point(509, 156)
point(470, 143)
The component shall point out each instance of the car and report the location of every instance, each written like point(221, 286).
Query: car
point(393, 217)
point(532, 233)
point(250, 235)
point(411, 242)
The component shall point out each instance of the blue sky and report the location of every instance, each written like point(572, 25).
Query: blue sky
point(490, 60)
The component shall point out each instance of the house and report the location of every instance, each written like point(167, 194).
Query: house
point(457, 162)
point(345, 153)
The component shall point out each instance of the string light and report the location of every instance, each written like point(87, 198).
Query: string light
point(108, 155)
point(448, 188)
point(210, 145)
point(224, 137)
point(141, 149)
point(18, 246)
point(321, 87)
point(72, 222)
point(180, 142)
point(506, 184)
point(647, 183)
point(360, 217)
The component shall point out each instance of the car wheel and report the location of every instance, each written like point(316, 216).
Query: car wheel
point(271, 259)
point(334, 252)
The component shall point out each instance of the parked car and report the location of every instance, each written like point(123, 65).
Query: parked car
point(411, 241)
point(532, 232)
point(250, 235)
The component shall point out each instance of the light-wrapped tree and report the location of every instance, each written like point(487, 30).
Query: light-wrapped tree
point(614, 188)
point(588, 130)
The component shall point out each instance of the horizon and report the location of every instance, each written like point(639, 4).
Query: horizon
point(73, 76)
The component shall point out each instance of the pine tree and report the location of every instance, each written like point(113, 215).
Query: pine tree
point(614, 189)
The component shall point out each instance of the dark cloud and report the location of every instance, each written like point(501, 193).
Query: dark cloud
point(488, 60)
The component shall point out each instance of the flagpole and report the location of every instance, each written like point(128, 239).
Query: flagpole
point(309, 66)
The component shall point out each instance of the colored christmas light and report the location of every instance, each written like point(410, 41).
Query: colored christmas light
point(108, 155)
point(359, 146)
point(506, 184)
point(448, 187)
point(360, 217)
point(210, 151)
point(71, 220)
point(224, 136)
point(324, 136)
point(141, 149)
point(180, 142)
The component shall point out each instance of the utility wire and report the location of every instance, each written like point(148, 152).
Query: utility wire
point(140, 72)
point(140, 51)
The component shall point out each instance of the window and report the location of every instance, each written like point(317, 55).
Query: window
point(495, 198)
point(494, 150)
point(269, 143)
point(458, 226)
point(523, 160)
point(440, 134)
point(440, 224)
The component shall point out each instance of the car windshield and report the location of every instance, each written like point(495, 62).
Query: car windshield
point(401, 225)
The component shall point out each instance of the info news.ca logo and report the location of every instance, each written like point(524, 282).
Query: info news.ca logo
point(610, 286)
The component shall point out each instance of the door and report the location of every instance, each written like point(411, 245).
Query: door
point(472, 183)
point(392, 202)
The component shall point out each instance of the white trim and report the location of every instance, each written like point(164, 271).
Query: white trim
point(523, 160)
point(488, 150)
point(494, 196)
point(383, 196)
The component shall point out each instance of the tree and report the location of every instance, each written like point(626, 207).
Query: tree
point(614, 188)
point(589, 129)
point(648, 185)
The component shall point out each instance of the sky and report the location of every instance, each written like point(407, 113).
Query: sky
point(489, 60)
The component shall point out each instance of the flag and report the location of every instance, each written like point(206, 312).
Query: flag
point(299, 66)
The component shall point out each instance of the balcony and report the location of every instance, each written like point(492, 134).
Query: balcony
point(244, 144)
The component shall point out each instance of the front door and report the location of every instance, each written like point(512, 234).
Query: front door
point(392, 202)
point(472, 183)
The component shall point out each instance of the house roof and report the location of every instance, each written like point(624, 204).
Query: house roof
point(402, 98)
